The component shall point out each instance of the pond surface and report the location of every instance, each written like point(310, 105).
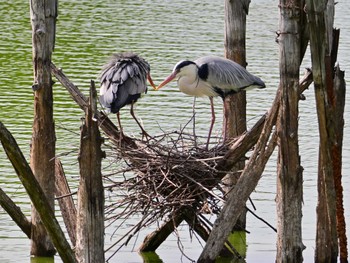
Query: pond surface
point(163, 32)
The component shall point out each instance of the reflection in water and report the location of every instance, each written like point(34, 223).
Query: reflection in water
point(150, 257)
point(163, 32)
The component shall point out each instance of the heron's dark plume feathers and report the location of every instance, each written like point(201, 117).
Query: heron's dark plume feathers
point(123, 80)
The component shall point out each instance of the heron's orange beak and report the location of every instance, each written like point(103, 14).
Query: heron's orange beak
point(151, 81)
point(171, 77)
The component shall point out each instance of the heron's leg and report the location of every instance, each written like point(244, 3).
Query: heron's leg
point(212, 120)
point(194, 121)
point(224, 127)
point(120, 126)
point(133, 115)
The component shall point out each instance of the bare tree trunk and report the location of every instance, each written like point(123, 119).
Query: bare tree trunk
point(43, 17)
point(235, 104)
point(321, 24)
point(90, 217)
point(290, 181)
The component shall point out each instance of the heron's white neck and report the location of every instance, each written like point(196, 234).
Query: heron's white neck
point(190, 83)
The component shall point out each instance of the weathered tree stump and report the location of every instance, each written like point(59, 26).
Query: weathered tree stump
point(90, 216)
point(43, 18)
point(329, 101)
point(289, 170)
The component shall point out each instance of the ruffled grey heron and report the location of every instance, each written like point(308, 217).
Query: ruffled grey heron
point(123, 80)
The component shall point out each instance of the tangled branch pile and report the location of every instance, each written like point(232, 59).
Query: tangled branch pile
point(169, 172)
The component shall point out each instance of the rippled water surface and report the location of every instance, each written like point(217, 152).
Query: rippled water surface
point(163, 32)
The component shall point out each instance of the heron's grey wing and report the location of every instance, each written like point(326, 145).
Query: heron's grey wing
point(107, 96)
point(137, 79)
point(111, 78)
point(228, 75)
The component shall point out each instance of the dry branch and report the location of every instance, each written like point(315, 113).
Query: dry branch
point(65, 201)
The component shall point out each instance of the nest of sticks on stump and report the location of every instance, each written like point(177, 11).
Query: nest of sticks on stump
point(162, 176)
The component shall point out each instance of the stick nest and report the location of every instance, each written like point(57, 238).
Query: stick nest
point(163, 175)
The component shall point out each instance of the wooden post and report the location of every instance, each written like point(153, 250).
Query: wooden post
point(43, 15)
point(339, 88)
point(289, 181)
point(90, 216)
point(326, 235)
point(235, 104)
point(235, 35)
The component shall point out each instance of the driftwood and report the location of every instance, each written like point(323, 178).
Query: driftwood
point(36, 194)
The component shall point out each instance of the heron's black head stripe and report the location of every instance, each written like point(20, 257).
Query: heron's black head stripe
point(183, 64)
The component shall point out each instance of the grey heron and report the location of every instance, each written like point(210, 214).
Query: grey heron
point(212, 76)
point(123, 80)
